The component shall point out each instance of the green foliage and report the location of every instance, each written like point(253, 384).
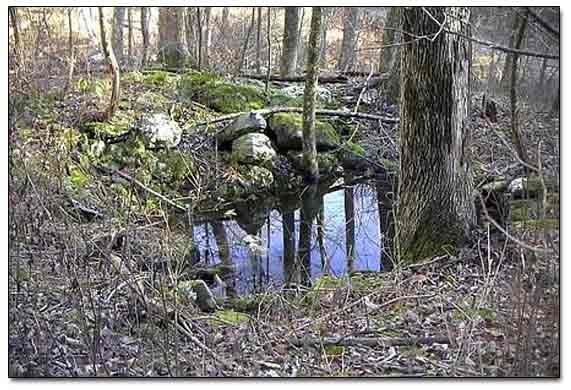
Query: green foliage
point(77, 178)
point(212, 91)
point(118, 125)
point(322, 287)
point(355, 148)
point(158, 78)
point(97, 87)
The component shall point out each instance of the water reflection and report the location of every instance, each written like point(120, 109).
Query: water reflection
point(332, 229)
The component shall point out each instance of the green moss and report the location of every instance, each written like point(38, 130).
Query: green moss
point(233, 317)
point(326, 133)
point(334, 350)
point(321, 287)
point(279, 99)
point(118, 125)
point(225, 97)
point(538, 224)
point(423, 248)
point(158, 78)
point(520, 210)
point(390, 165)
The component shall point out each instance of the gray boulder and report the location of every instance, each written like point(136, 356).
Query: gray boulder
point(204, 297)
point(247, 123)
point(159, 131)
point(253, 148)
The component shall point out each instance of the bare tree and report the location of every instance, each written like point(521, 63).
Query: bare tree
point(516, 133)
point(312, 73)
point(245, 47)
point(289, 47)
point(350, 27)
point(16, 30)
point(145, 32)
point(113, 67)
point(129, 33)
point(117, 32)
point(326, 12)
point(71, 54)
point(259, 42)
point(170, 36)
point(435, 205)
point(207, 36)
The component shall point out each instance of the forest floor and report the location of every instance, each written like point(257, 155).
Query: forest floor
point(78, 309)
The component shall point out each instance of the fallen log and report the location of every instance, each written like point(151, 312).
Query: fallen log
point(367, 341)
point(325, 79)
point(275, 110)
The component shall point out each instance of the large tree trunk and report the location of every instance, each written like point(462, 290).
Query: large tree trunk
point(350, 27)
point(171, 49)
point(312, 72)
point(289, 47)
point(435, 208)
point(390, 57)
point(145, 33)
point(117, 33)
point(112, 62)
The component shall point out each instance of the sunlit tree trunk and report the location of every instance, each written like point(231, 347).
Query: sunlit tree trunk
point(289, 46)
point(326, 16)
point(259, 42)
point(312, 72)
point(145, 32)
point(435, 208)
point(350, 27)
point(129, 33)
point(117, 33)
point(207, 36)
point(113, 67)
point(200, 37)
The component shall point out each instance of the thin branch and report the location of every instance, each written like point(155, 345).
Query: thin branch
point(543, 23)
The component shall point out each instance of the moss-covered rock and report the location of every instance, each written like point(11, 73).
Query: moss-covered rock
point(244, 180)
point(120, 124)
point(247, 123)
point(253, 148)
point(218, 94)
point(327, 162)
point(288, 128)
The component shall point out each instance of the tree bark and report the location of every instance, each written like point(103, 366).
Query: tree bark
point(113, 67)
point(312, 72)
point(435, 208)
point(288, 231)
point(390, 57)
point(269, 42)
point(145, 33)
point(171, 49)
point(289, 46)
point(117, 33)
point(350, 27)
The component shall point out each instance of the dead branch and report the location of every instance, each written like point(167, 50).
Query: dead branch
point(367, 341)
point(543, 23)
